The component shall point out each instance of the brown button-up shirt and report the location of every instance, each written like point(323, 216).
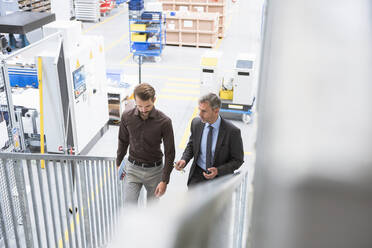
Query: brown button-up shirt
point(144, 138)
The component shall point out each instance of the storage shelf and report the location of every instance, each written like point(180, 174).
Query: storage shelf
point(192, 29)
point(34, 5)
point(147, 31)
point(144, 30)
point(200, 6)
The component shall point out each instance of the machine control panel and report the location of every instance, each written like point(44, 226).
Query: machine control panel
point(79, 78)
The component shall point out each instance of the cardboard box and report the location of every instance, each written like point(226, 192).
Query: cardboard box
point(173, 37)
point(216, 9)
point(207, 25)
point(172, 24)
point(188, 38)
point(215, 1)
point(205, 39)
point(188, 24)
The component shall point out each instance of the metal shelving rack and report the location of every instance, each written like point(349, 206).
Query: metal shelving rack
point(147, 36)
point(34, 5)
point(154, 29)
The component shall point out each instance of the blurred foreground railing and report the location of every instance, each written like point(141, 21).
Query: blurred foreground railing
point(214, 214)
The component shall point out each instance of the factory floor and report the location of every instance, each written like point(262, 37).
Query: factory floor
point(176, 77)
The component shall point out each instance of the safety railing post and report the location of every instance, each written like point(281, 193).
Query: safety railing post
point(59, 203)
point(43, 201)
point(80, 203)
point(100, 199)
point(72, 179)
point(91, 193)
point(52, 207)
point(115, 192)
point(23, 202)
point(11, 201)
point(4, 233)
point(65, 190)
point(104, 196)
point(96, 204)
point(110, 197)
point(34, 205)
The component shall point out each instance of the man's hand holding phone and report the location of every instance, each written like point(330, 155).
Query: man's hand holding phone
point(210, 173)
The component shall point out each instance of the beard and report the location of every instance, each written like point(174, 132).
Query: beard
point(145, 114)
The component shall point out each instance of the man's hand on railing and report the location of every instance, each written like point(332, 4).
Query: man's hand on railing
point(213, 171)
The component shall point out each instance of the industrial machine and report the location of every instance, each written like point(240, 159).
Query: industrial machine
point(237, 91)
point(62, 79)
point(210, 72)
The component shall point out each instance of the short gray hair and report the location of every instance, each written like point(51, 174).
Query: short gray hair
point(213, 100)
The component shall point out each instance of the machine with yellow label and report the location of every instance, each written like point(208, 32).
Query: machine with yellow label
point(237, 91)
point(210, 72)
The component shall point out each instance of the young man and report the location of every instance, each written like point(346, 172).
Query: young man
point(215, 144)
point(143, 129)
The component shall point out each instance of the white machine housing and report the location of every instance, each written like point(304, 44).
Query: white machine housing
point(210, 76)
point(83, 77)
point(85, 59)
point(244, 84)
point(70, 30)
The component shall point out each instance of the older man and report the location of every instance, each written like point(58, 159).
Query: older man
point(215, 144)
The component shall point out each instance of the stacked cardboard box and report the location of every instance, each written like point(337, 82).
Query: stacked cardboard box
point(209, 6)
point(192, 28)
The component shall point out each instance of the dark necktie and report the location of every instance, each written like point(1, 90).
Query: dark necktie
point(208, 162)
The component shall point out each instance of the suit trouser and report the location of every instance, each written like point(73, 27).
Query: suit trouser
point(136, 177)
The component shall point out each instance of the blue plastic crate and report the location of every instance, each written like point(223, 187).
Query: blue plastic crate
point(140, 46)
point(136, 5)
point(20, 77)
point(151, 15)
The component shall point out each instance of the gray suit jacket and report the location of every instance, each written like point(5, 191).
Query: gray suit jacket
point(228, 155)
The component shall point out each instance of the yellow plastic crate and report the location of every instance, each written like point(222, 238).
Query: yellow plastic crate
point(138, 37)
point(138, 27)
point(226, 94)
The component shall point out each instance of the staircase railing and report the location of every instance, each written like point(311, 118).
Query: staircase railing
point(73, 202)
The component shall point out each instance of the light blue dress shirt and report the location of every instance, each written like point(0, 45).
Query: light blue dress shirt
point(203, 144)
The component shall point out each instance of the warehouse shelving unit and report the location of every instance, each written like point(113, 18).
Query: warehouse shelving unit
point(34, 5)
point(147, 36)
point(192, 29)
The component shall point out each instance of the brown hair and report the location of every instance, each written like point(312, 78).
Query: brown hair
point(144, 91)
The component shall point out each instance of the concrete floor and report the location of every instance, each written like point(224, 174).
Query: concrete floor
point(176, 77)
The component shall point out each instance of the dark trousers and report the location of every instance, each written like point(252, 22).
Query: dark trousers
point(197, 177)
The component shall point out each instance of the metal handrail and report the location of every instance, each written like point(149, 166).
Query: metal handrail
point(36, 156)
